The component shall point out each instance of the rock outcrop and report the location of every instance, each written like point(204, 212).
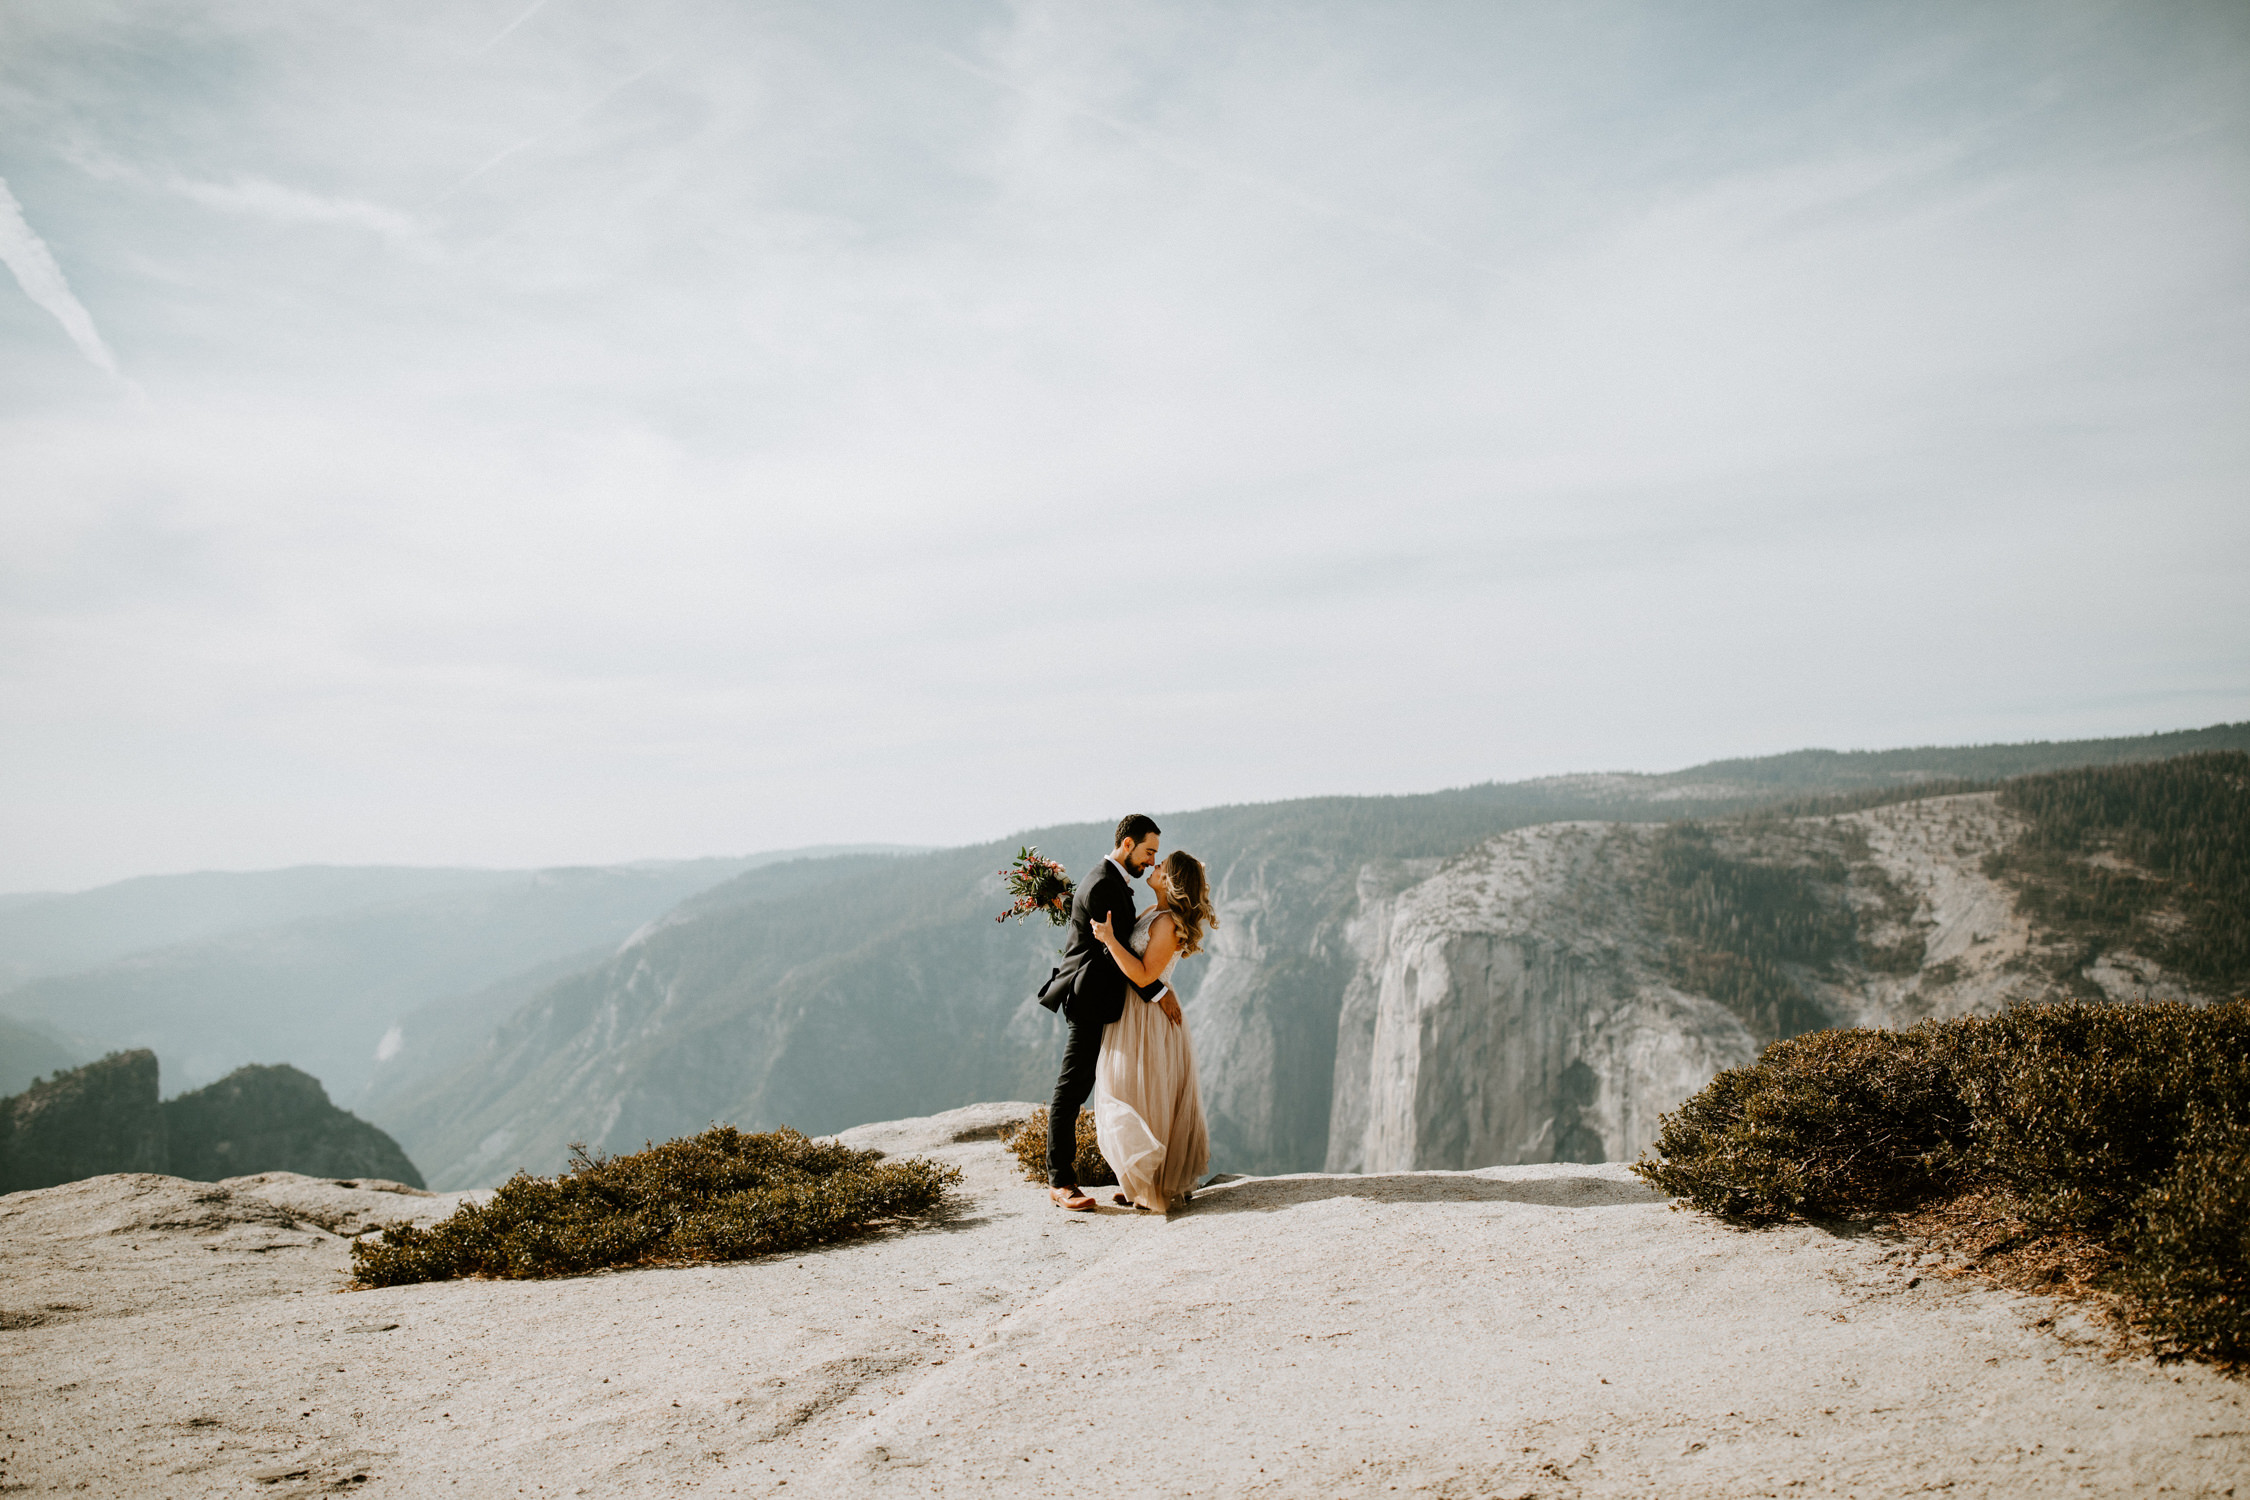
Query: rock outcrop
point(276, 1119)
point(1549, 1330)
point(100, 1118)
point(105, 1118)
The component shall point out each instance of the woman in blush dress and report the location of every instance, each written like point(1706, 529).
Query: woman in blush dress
point(1148, 1111)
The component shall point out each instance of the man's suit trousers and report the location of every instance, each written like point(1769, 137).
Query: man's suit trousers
point(1082, 1048)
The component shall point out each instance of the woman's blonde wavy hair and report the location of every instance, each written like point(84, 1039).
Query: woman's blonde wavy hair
point(1192, 911)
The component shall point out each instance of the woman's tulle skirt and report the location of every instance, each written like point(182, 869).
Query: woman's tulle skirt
point(1148, 1110)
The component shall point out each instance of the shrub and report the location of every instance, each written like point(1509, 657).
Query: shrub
point(2125, 1126)
point(1825, 1124)
point(2081, 1109)
point(721, 1195)
point(1029, 1146)
point(2187, 1255)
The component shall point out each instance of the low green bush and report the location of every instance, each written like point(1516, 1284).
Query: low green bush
point(1029, 1147)
point(1824, 1125)
point(2126, 1125)
point(2082, 1109)
point(2187, 1252)
point(721, 1195)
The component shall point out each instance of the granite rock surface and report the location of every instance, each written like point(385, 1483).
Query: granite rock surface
point(1549, 1330)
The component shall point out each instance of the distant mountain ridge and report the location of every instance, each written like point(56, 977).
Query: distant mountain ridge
point(28, 1050)
point(825, 993)
point(313, 965)
point(52, 932)
point(46, 933)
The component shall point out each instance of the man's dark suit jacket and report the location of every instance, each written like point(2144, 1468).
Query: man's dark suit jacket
point(1087, 985)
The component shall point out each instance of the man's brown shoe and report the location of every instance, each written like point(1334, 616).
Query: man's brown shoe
point(1070, 1198)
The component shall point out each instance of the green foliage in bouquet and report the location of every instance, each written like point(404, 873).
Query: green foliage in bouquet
point(1029, 1147)
point(721, 1195)
point(1038, 884)
point(2127, 1126)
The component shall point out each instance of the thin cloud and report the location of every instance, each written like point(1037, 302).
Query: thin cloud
point(42, 280)
point(287, 205)
point(258, 196)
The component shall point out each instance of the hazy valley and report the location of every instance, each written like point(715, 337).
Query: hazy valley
point(309, 966)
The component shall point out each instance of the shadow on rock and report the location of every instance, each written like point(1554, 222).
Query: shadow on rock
point(955, 1214)
point(1267, 1194)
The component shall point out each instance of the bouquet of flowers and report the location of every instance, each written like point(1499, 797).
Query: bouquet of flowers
point(1038, 884)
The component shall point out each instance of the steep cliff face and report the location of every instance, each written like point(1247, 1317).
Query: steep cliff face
point(1265, 998)
point(1508, 1010)
point(1551, 994)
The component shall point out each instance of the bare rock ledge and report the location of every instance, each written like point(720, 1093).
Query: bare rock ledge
point(1519, 1331)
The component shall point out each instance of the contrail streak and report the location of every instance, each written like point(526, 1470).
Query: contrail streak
point(42, 281)
point(529, 141)
point(507, 30)
point(1164, 150)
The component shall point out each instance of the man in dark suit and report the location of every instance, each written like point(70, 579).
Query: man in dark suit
point(1091, 991)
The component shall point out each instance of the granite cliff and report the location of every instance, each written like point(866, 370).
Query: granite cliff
point(1536, 1000)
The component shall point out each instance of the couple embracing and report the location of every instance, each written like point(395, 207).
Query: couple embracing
point(1128, 1043)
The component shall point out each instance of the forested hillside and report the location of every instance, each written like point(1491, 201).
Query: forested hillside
point(2152, 859)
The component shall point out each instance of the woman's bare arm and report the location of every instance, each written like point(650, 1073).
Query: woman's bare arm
point(1163, 937)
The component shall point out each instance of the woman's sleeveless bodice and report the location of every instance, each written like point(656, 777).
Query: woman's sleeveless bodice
point(1138, 942)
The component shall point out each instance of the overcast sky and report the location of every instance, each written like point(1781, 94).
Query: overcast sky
point(512, 433)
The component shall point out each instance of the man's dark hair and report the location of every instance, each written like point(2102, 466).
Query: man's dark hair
point(1134, 827)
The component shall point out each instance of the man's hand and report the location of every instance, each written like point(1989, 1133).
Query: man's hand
point(1170, 1006)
